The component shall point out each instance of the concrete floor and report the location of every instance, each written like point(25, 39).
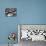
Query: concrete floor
point(34, 43)
point(28, 43)
point(7, 45)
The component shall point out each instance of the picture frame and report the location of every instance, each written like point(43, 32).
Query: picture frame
point(11, 11)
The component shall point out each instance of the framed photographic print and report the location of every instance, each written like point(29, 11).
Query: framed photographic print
point(10, 11)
